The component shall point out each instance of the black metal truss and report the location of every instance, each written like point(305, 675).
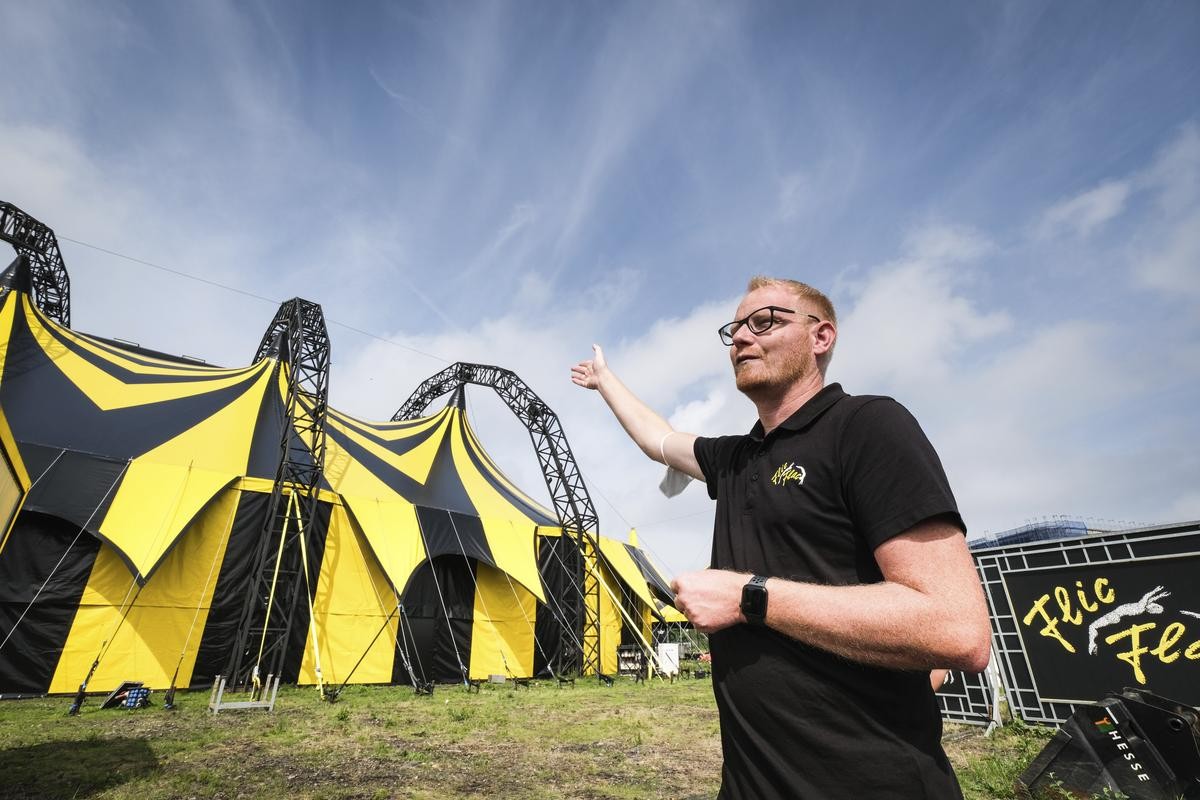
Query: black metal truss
point(36, 241)
point(572, 503)
point(299, 339)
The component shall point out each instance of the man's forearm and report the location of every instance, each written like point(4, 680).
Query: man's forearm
point(885, 624)
point(648, 430)
point(928, 611)
point(643, 424)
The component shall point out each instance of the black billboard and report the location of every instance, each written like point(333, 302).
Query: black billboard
point(1089, 629)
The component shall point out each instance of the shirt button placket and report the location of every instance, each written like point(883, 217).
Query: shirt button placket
point(752, 490)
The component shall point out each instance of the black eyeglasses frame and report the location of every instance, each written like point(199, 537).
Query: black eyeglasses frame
point(730, 329)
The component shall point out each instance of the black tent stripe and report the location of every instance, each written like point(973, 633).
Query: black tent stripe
point(395, 479)
point(488, 469)
point(658, 584)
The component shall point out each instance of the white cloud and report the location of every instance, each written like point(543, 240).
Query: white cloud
point(1175, 172)
point(1083, 214)
point(637, 70)
point(1018, 420)
point(58, 181)
point(1165, 255)
point(1173, 266)
point(910, 318)
point(701, 415)
point(942, 243)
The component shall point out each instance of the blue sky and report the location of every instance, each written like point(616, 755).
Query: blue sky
point(1003, 199)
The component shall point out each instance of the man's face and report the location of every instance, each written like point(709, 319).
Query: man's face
point(768, 362)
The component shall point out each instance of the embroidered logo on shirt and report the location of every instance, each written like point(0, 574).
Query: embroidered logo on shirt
point(788, 472)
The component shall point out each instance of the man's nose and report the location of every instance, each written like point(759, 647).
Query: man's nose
point(743, 335)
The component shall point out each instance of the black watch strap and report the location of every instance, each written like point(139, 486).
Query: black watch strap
point(754, 600)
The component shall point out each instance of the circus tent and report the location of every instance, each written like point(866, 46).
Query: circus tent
point(137, 492)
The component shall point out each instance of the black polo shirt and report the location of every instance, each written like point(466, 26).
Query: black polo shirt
point(810, 502)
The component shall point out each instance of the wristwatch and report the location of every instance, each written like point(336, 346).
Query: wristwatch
point(754, 600)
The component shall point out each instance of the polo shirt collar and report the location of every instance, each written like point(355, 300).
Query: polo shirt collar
point(806, 414)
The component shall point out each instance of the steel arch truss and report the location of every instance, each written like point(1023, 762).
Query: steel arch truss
point(572, 503)
point(48, 273)
point(298, 338)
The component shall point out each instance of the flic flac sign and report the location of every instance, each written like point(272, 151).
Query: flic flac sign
point(1089, 629)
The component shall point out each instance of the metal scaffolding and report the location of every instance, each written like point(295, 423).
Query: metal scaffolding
point(298, 338)
point(48, 273)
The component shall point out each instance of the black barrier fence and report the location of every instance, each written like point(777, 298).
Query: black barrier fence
point(1074, 619)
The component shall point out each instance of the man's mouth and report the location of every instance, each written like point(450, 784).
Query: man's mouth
point(743, 358)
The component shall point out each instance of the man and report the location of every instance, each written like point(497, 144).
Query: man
point(840, 573)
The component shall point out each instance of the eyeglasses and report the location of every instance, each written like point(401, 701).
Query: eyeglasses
point(759, 322)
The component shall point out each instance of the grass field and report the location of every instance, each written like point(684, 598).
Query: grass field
point(627, 741)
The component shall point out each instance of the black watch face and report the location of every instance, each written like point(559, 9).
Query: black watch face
point(754, 602)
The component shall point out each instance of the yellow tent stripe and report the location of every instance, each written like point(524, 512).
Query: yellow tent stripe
point(164, 488)
point(353, 601)
point(514, 549)
point(14, 454)
point(152, 506)
point(348, 476)
point(416, 463)
point(671, 614)
point(7, 315)
point(510, 533)
point(626, 568)
point(109, 392)
point(390, 527)
point(502, 636)
point(487, 500)
point(388, 431)
point(497, 473)
point(156, 629)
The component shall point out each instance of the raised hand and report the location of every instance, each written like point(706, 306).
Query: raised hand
point(587, 373)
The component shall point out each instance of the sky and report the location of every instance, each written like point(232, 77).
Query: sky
point(1002, 199)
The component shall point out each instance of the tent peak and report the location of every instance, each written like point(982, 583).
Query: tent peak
point(278, 348)
point(18, 276)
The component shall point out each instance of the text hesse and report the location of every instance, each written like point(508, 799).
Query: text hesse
point(1166, 651)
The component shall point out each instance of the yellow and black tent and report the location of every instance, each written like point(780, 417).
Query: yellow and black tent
point(135, 495)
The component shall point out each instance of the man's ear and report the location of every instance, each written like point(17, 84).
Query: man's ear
point(824, 337)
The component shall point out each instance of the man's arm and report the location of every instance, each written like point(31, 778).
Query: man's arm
point(649, 431)
point(927, 613)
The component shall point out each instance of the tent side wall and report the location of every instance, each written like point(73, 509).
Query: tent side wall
point(14, 480)
point(555, 640)
point(236, 579)
point(232, 582)
point(35, 631)
point(612, 623)
point(355, 612)
point(147, 633)
point(180, 624)
point(439, 605)
point(502, 636)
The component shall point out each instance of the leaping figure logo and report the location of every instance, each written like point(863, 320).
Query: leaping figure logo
point(1147, 605)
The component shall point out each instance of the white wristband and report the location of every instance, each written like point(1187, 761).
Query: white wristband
point(662, 451)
